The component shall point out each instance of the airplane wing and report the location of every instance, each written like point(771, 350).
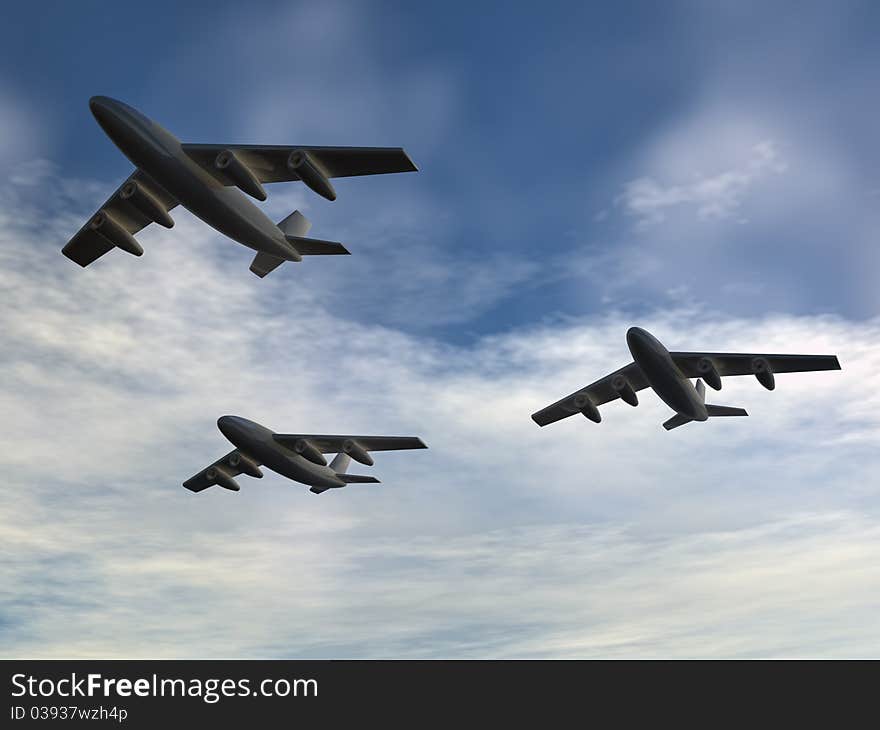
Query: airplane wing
point(138, 202)
point(336, 444)
point(743, 364)
point(602, 391)
point(269, 163)
point(223, 472)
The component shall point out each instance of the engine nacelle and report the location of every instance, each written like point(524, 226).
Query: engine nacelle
point(308, 451)
point(246, 464)
point(587, 408)
point(623, 388)
point(223, 478)
point(243, 177)
point(146, 203)
point(311, 173)
point(709, 373)
point(763, 372)
point(356, 452)
point(112, 230)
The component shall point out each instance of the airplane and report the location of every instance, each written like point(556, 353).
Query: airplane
point(669, 374)
point(299, 457)
point(210, 181)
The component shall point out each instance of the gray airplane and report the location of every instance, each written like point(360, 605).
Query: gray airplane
point(669, 374)
point(209, 181)
point(296, 456)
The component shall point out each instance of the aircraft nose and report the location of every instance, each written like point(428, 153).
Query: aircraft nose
point(227, 424)
point(635, 336)
point(106, 112)
point(98, 104)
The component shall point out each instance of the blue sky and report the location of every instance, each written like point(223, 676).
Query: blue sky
point(706, 170)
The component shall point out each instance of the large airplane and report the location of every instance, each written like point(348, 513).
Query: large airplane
point(669, 374)
point(293, 455)
point(209, 180)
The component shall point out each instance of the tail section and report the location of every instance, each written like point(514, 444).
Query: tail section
point(340, 465)
point(358, 479)
point(713, 410)
point(295, 227)
point(265, 263)
point(676, 421)
point(317, 247)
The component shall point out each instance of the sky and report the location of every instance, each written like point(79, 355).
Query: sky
point(703, 170)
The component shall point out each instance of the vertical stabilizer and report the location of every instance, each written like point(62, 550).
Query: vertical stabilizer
point(340, 463)
point(296, 224)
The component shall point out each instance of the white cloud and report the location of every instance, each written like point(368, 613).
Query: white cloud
point(716, 195)
point(502, 539)
point(740, 204)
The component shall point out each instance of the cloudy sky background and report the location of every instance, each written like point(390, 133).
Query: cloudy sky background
point(707, 171)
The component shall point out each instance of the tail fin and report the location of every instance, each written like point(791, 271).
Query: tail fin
point(296, 226)
point(340, 465)
point(713, 410)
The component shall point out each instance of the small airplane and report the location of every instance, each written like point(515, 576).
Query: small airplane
point(669, 373)
point(295, 456)
point(209, 181)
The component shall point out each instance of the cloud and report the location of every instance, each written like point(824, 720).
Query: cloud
point(738, 204)
point(502, 539)
point(712, 196)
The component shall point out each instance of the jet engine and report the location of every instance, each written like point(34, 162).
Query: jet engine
point(308, 451)
point(709, 373)
point(110, 228)
point(763, 372)
point(243, 177)
point(311, 174)
point(246, 464)
point(146, 203)
point(586, 406)
point(624, 389)
point(356, 452)
point(222, 478)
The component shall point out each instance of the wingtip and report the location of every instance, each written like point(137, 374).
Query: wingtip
point(415, 168)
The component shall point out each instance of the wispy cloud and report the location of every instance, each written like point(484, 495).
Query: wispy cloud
point(716, 195)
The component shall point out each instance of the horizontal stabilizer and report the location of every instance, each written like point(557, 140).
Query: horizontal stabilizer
point(724, 411)
point(348, 479)
point(316, 247)
point(265, 263)
point(676, 421)
point(358, 479)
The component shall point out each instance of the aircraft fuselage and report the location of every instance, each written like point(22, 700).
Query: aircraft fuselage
point(663, 375)
point(256, 441)
point(159, 154)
